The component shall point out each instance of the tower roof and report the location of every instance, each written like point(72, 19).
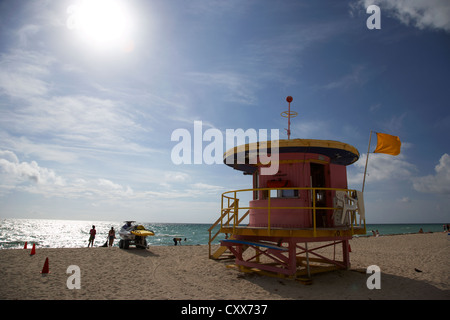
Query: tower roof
point(338, 152)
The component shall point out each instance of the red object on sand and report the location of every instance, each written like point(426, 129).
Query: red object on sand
point(33, 251)
point(25, 246)
point(45, 269)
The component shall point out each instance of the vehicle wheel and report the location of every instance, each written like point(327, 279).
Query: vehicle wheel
point(126, 244)
point(121, 244)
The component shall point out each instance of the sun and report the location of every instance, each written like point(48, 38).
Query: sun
point(101, 23)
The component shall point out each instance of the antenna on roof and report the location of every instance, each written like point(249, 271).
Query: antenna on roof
point(289, 114)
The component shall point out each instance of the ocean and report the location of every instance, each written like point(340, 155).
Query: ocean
point(47, 233)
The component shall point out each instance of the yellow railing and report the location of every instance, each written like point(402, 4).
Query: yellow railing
point(230, 219)
point(230, 205)
point(226, 213)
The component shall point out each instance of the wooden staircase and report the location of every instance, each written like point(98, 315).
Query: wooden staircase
point(228, 215)
point(218, 254)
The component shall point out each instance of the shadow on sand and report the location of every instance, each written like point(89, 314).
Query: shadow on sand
point(140, 252)
point(348, 285)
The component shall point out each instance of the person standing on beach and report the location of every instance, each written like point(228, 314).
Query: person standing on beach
point(92, 233)
point(111, 236)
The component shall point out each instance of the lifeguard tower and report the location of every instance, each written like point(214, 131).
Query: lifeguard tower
point(297, 221)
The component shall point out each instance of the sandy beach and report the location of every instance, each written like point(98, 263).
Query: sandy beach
point(415, 266)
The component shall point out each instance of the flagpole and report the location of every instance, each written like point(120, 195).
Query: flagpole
point(367, 160)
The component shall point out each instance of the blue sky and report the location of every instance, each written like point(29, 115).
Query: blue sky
point(89, 100)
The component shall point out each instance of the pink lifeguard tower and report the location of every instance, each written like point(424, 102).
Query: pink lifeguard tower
point(299, 220)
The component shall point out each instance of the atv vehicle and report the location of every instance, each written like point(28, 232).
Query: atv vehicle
point(134, 235)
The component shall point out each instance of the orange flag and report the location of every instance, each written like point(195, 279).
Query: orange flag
point(388, 144)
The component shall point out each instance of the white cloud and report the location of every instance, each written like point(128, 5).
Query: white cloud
point(26, 33)
point(393, 124)
point(321, 129)
point(382, 167)
point(357, 77)
point(17, 172)
point(68, 122)
point(238, 87)
point(22, 73)
point(405, 200)
point(20, 85)
point(72, 123)
point(312, 129)
point(387, 168)
point(423, 14)
point(175, 176)
point(438, 183)
point(32, 178)
point(8, 156)
point(43, 151)
point(207, 188)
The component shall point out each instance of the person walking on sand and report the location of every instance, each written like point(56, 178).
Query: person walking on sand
point(111, 236)
point(92, 233)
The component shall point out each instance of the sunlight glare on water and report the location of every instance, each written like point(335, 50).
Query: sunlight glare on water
point(50, 233)
point(75, 234)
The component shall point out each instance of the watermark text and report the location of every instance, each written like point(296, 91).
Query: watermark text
point(190, 150)
point(374, 280)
